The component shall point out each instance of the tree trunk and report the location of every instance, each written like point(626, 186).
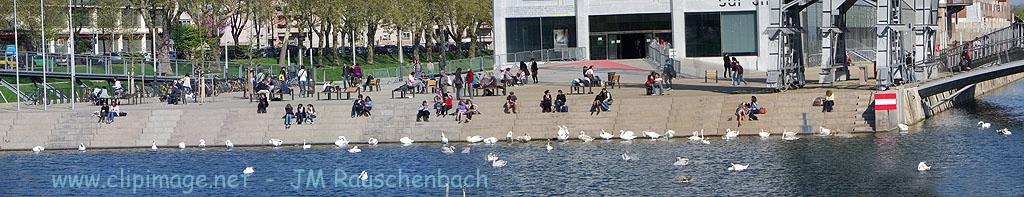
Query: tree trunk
point(284, 43)
point(371, 42)
point(473, 39)
point(416, 44)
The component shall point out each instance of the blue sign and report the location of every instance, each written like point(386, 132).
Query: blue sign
point(10, 50)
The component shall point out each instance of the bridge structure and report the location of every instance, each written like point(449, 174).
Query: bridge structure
point(906, 33)
point(958, 75)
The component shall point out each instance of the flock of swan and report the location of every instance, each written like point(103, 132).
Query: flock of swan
point(561, 135)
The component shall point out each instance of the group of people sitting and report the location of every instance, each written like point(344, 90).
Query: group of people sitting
point(178, 91)
point(749, 111)
point(589, 79)
point(464, 108)
point(108, 110)
point(548, 105)
point(362, 106)
point(655, 80)
point(602, 102)
point(303, 113)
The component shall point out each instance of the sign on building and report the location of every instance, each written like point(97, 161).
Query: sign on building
point(885, 101)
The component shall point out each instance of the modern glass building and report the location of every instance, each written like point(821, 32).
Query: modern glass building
point(700, 31)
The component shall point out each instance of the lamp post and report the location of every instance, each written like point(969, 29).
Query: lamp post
point(71, 53)
point(42, 39)
point(17, 66)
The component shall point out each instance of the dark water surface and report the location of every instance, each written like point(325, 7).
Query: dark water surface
point(965, 160)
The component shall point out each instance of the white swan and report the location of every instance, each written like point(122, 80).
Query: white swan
point(563, 133)
point(444, 139)
point(372, 141)
point(695, 136)
point(202, 143)
point(81, 147)
point(406, 141)
point(903, 127)
point(355, 149)
point(498, 163)
point(626, 135)
point(447, 149)
point(549, 147)
point(153, 147)
point(509, 137)
point(738, 167)
point(490, 140)
point(730, 134)
point(492, 157)
point(652, 135)
point(764, 134)
point(363, 176)
point(703, 140)
point(248, 170)
point(525, 138)
point(342, 142)
point(627, 157)
point(305, 145)
point(822, 131)
point(228, 144)
point(681, 161)
point(1004, 131)
point(474, 139)
point(670, 134)
point(605, 135)
point(984, 125)
point(921, 167)
point(586, 138)
point(789, 135)
point(38, 149)
point(181, 145)
point(276, 142)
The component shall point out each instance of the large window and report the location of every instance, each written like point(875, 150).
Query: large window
point(527, 34)
point(708, 36)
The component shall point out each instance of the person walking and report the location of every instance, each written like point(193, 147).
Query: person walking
point(470, 83)
point(737, 73)
point(288, 115)
point(668, 72)
point(459, 83)
point(727, 63)
point(545, 102)
point(525, 70)
point(534, 69)
point(303, 81)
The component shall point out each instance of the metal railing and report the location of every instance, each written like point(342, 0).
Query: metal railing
point(994, 47)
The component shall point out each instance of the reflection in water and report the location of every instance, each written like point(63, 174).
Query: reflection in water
point(966, 161)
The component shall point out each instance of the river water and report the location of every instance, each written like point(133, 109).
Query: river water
point(966, 161)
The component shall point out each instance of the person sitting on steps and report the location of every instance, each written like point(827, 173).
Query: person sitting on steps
point(511, 102)
point(423, 113)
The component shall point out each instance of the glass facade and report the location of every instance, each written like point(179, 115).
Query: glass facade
point(527, 34)
point(708, 36)
point(627, 36)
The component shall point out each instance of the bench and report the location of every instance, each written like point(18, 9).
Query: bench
point(280, 95)
point(710, 73)
point(504, 91)
point(432, 85)
point(579, 89)
point(614, 80)
point(373, 84)
point(404, 89)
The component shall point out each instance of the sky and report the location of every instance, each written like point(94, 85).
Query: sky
point(1017, 2)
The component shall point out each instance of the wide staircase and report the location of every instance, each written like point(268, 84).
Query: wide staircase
point(396, 118)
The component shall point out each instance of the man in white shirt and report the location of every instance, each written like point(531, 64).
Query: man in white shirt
point(303, 81)
point(186, 82)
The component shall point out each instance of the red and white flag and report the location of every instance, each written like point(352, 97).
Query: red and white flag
point(885, 101)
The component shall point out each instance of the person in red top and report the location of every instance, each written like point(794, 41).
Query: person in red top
point(470, 83)
point(446, 106)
